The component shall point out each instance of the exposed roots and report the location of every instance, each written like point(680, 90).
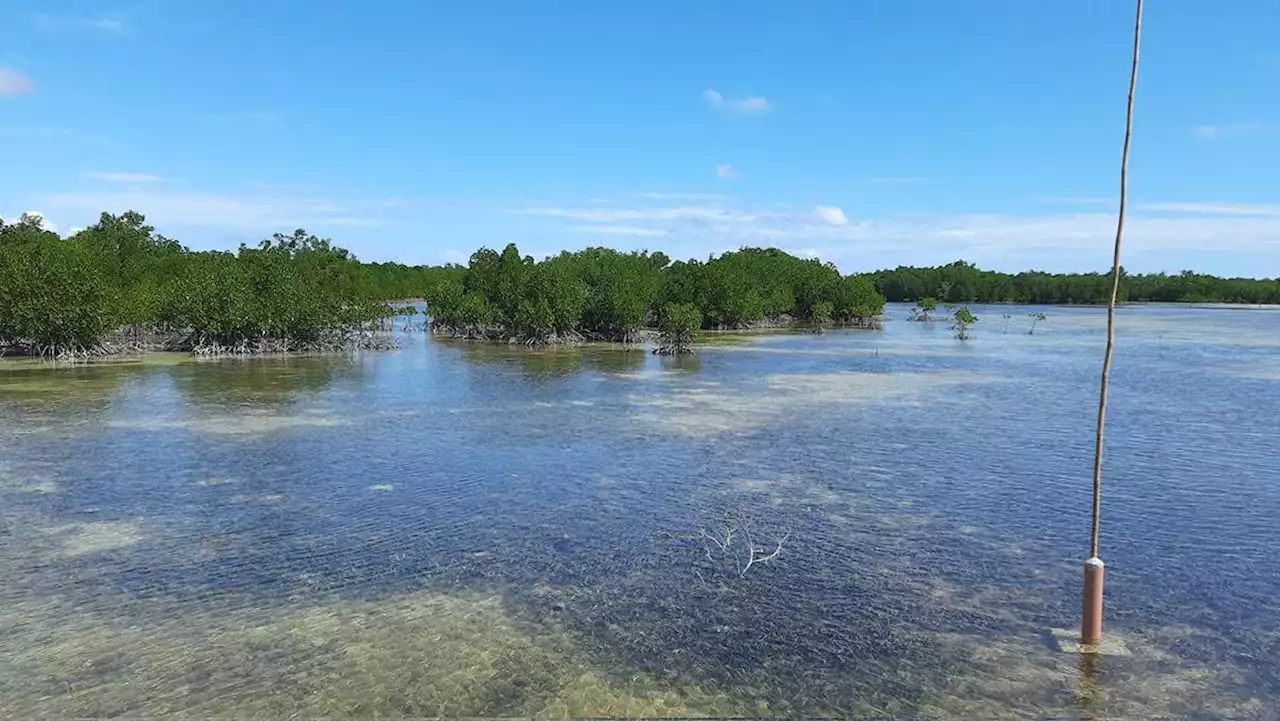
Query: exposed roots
point(673, 349)
point(500, 334)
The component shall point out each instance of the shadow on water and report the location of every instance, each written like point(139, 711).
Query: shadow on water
point(264, 381)
point(532, 544)
point(542, 363)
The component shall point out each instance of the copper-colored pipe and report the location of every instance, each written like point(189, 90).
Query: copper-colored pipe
point(1091, 626)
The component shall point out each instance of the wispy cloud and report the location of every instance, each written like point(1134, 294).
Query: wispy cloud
point(897, 179)
point(42, 131)
point(994, 239)
point(1081, 199)
point(1269, 210)
point(58, 22)
point(750, 105)
point(726, 172)
point(119, 177)
point(705, 213)
point(1206, 132)
point(253, 212)
point(623, 230)
point(684, 196)
point(14, 83)
point(252, 116)
point(1225, 130)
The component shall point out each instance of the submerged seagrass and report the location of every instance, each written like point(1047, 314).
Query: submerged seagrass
point(478, 530)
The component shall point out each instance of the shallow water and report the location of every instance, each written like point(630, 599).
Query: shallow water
point(457, 529)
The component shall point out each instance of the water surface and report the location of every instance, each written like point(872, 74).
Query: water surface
point(460, 529)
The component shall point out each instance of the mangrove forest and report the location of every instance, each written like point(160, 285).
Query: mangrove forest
point(962, 282)
point(604, 294)
point(119, 285)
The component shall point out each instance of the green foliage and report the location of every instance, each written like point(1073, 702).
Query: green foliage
point(678, 325)
point(823, 311)
point(961, 320)
point(602, 293)
point(619, 288)
point(291, 292)
point(965, 283)
point(53, 294)
point(923, 311)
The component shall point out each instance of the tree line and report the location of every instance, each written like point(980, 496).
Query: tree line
point(604, 294)
point(118, 284)
point(962, 282)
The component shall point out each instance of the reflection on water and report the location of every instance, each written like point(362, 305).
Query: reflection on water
point(462, 529)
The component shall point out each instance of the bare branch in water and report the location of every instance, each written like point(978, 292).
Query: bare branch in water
point(741, 562)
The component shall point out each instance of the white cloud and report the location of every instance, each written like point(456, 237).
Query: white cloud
point(684, 196)
point(1219, 131)
point(831, 215)
point(1206, 132)
point(726, 172)
point(1079, 240)
point(1082, 200)
point(750, 105)
point(624, 230)
point(456, 256)
point(44, 222)
point(41, 131)
point(898, 179)
point(707, 213)
point(119, 177)
point(55, 22)
point(1271, 210)
point(13, 83)
point(258, 212)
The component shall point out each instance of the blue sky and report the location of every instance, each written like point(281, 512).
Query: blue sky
point(868, 132)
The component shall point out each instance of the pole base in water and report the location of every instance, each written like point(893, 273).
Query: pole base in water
point(1067, 640)
point(1091, 618)
point(1089, 638)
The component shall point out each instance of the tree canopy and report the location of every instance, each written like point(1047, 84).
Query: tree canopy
point(606, 294)
point(67, 296)
point(119, 282)
point(962, 282)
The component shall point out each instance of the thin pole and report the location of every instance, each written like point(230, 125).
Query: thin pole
point(1115, 290)
point(1091, 626)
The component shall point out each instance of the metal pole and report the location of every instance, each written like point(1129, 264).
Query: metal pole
point(1094, 570)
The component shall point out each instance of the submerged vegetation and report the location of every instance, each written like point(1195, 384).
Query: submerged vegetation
point(962, 282)
point(603, 294)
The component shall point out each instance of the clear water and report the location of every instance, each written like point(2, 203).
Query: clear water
point(487, 531)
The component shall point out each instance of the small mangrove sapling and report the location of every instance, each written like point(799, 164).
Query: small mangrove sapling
point(961, 321)
point(924, 309)
point(1036, 318)
point(678, 325)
